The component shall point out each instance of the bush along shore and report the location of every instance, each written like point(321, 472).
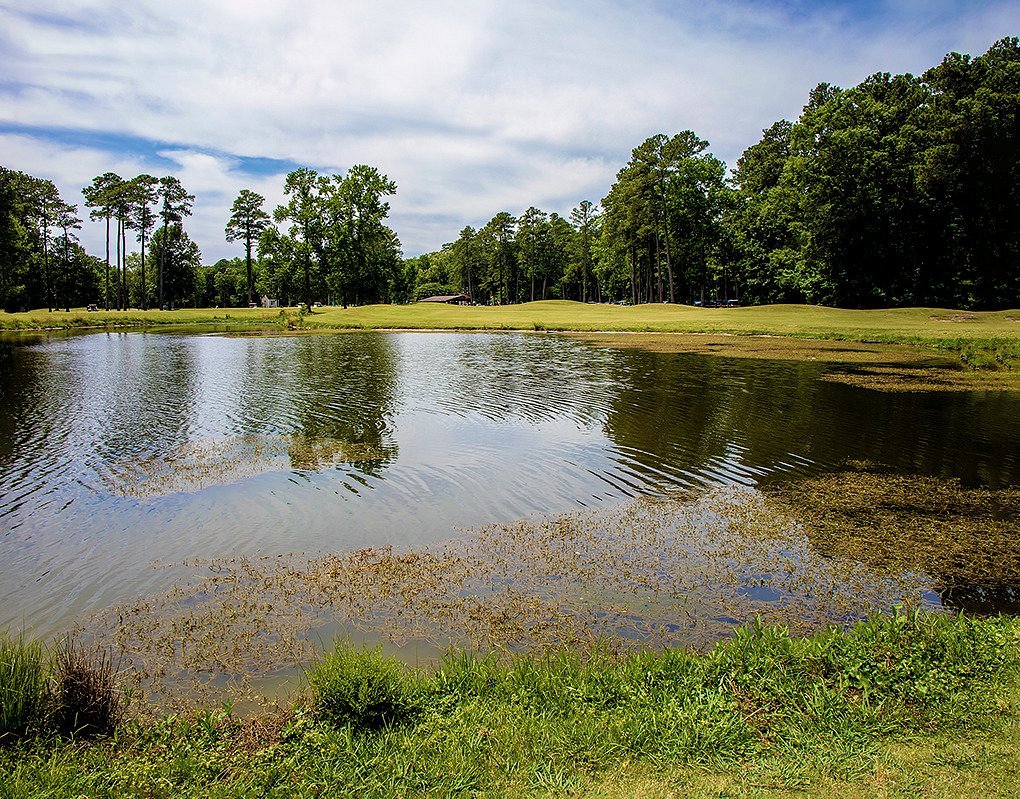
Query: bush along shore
point(761, 713)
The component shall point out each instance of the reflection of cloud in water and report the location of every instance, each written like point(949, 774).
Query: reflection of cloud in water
point(196, 465)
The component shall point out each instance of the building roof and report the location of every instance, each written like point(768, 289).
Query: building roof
point(446, 298)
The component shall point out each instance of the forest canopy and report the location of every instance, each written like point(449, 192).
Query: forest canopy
point(902, 190)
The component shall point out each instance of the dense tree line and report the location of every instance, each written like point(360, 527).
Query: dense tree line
point(41, 262)
point(899, 191)
point(902, 190)
point(334, 244)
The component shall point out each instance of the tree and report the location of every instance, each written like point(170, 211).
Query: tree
point(500, 279)
point(100, 197)
point(47, 206)
point(143, 192)
point(302, 211)
point(465, 261)
point(970, 169)
point(585, 219)
point(534, 243)
point(21, 249)
point(65, 216)
point(247, 221)
point(278, 265)
point(180, 258)
point(176, 204)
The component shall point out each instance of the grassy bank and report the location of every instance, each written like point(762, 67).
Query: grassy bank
point(969, 341)
point(899, 705)
point(931, 326)
point(80, 319)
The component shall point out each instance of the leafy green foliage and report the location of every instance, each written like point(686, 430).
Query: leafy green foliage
point(361, 688)
point(898, 191)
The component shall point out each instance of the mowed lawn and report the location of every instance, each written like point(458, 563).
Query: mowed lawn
point(936, 326)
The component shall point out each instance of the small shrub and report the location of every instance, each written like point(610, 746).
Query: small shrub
point(22, 687)
point(86, 700)
point(362, 688)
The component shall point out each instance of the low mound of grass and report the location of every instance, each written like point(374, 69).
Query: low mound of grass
point(762, 710)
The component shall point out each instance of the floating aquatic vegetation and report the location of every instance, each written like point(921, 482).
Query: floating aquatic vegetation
point(872, 365)
point(654, 572)
point(919, 378)
point(196, 465)
point(965, 539)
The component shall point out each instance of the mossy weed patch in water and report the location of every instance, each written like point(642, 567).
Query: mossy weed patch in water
point(652, 573)
point(966, 539)
point(953, 366)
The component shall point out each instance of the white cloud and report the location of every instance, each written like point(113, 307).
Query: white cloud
point(472, 107)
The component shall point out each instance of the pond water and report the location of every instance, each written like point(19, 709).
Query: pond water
point(122, 455)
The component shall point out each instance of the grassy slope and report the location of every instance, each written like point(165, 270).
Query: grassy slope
point(902, 706)
point(988, 341)
point(899, 324)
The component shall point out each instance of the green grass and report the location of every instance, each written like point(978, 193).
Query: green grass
point(900, 705)
point(68, 691)
point(23, 675)
point(80, 319)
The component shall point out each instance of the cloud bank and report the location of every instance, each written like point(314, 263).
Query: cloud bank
point(471, 107)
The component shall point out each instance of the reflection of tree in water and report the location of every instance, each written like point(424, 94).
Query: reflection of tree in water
point(964, 539)
point(505, 376)
point(343, 402)
point(142, 392)
point(983, 599)
point(694, 415)
point(16, 375)
point(216, 411)
point(682, 413)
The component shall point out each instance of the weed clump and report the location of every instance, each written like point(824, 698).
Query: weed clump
point(361, 688)
point(86, 700)
point(72, 692)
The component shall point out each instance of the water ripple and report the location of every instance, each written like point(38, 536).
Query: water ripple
point(122, 449)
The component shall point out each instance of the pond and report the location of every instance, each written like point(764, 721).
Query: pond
point(126, 457)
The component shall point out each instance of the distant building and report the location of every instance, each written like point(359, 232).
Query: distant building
point(450, 299)
point(269, 302)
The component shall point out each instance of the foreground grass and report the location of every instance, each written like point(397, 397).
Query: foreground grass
point(901, 705)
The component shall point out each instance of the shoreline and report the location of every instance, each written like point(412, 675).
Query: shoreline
point(902, 349)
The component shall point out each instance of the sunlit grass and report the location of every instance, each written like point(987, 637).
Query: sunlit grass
point(68, 690)
point(23, 675)
point(901, 705)
point(898, 324)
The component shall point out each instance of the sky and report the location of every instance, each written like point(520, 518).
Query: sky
point(471, 107)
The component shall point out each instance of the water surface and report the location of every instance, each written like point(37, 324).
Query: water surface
point(122, 455)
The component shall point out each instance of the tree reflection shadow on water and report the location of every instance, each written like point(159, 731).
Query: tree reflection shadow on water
point(677, 570)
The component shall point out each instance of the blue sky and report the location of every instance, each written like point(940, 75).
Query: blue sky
point(471, 107)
